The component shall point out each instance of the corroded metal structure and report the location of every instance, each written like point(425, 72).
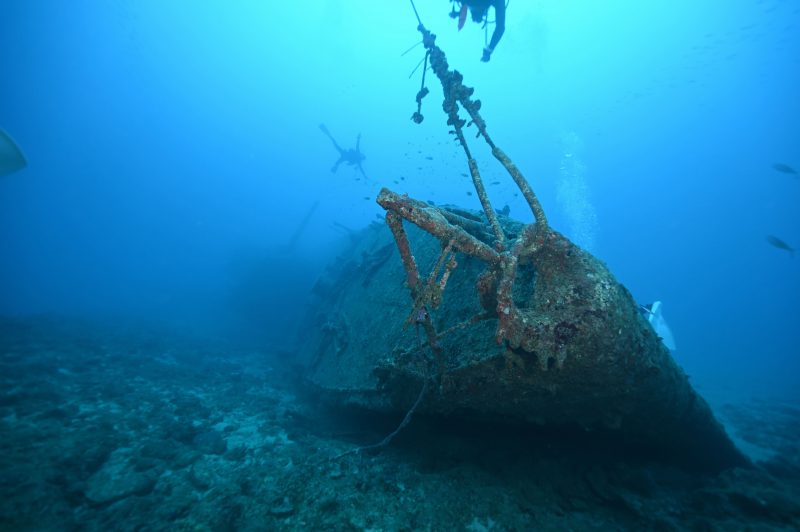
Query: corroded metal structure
point(512, 321)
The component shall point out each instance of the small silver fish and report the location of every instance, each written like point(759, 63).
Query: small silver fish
point(780, 244)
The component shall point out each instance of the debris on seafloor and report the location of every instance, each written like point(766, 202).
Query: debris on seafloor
point(300, 229)
point(533, 329)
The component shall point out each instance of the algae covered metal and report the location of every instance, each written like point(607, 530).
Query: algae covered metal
point(505, 320)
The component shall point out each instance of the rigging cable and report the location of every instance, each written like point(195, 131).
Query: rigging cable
point(414, 7)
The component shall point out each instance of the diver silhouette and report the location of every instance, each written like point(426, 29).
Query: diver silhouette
point(352, 157)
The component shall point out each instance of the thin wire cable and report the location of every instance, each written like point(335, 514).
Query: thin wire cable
point(418, 65)
point(415, 12)
point(404, 53)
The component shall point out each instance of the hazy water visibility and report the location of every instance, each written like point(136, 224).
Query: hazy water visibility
point(174, 149)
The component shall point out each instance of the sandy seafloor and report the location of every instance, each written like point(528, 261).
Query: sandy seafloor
point(131, 427)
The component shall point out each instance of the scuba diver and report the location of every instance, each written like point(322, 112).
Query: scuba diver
point(480, 13)
point(353, 157)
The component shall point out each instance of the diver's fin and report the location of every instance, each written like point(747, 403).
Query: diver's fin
point(462, 16)
point(324, 129)
point(11, 157)
point(656, 319)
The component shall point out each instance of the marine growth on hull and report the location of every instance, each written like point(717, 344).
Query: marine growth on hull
point(482, 316)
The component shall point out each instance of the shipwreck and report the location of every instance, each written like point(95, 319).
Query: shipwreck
point(452, 312)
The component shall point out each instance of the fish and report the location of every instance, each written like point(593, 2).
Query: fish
point(11, 156)
point(780, 244)
point(784, 169)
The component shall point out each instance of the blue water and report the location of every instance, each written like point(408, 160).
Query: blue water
point(156, 263)
point(171, 143)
